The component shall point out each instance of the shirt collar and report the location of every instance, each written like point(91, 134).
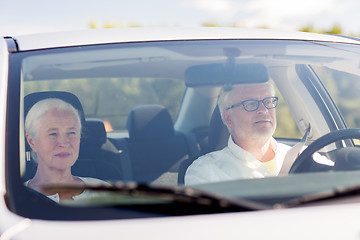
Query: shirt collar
point(240, 153)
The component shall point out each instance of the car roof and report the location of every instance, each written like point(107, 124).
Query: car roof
point(103, 36)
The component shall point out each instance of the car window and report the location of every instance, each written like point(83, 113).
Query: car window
point(343, 86)
point(286, 126)
point(111, 99)
point(149, 111)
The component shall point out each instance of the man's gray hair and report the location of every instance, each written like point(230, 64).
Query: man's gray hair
point(225, 96)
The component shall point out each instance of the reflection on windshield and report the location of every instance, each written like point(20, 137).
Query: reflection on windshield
point(140, 118)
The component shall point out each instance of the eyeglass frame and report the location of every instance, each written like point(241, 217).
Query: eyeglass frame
point(258, 102)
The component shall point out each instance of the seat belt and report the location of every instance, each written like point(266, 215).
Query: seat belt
point(293, 153)
point(192, 145)
point(125, 160)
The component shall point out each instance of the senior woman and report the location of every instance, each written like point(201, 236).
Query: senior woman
point(53, 130)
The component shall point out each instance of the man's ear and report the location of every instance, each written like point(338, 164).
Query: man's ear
point(227, 118)
point(30, 141)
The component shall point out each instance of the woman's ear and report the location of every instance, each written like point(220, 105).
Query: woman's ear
point(30, 141)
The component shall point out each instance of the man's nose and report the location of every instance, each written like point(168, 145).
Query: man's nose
point(262, 108)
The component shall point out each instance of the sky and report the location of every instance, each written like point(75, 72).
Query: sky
point(36, 16)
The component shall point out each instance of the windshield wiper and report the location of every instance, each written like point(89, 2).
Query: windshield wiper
point(186, 200)
point(331, 194)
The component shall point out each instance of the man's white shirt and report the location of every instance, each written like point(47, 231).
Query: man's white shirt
point(231, 163)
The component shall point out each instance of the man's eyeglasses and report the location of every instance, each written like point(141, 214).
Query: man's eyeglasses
point(253, 105)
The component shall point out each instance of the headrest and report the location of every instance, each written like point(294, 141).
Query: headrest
point(151, 121)
point(95, 134)
point(35, 97)
point(218, 132)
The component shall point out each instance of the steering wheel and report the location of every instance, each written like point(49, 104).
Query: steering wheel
point(305, 158)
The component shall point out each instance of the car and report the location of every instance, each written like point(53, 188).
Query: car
point(147, 103)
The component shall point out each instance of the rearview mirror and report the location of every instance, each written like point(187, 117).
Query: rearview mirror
point(218, 74)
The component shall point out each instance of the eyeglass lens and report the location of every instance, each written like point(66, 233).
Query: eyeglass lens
point(253, 105)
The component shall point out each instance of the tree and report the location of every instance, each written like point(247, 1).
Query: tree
point(335, 29)
point(93, 24)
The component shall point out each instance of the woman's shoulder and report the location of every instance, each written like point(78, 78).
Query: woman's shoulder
point(90, 180)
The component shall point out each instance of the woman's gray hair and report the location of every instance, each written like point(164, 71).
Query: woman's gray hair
point(39, 109)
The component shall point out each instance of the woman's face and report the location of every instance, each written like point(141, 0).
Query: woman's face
point(57, 140)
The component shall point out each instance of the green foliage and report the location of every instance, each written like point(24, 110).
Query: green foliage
point(93, 24)
point(210, 24)
point(343, 88)
point(112, 98)
point(286, 126)
point(335, 29)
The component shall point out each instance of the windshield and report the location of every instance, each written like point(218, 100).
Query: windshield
point(224, 118)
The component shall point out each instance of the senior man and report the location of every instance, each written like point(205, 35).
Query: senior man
point(249, 113)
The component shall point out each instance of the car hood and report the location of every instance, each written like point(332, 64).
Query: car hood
point(320, 222)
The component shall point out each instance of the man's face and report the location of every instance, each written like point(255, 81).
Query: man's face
point(258, 125)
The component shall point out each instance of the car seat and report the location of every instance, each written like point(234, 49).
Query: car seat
point(85, 166)
point(154, 146)
point(98, 157)
point(218, 136)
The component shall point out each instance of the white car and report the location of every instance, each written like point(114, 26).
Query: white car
point(147, 99)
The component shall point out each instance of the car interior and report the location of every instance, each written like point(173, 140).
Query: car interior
point(154, 150)
point(154, 145)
